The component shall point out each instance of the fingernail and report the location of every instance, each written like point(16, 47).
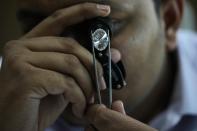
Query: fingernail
point(103, 8)
point(121, 104)
point(122, 107)
point(103, 106)
point(116, 56)
point(103, 84)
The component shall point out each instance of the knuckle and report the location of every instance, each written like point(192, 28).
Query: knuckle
point(70, 82)
point(9, 46)
point(48, 38)
point(19, 70)
point(14, 57)
point(36, 79)
point(70, 40)
point(71, 44)
point(86, 7)
point(68, 44)
point(72, 61)
point(56, 18)
point(57, 14)
point(15, 63)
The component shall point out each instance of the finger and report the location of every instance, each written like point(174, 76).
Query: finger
point(108, 120)
point(53, 105)
point(118, 106)
point(66, 64)
point(45, 82)
point(115, 55)
point(55, 24)
point(67, 46)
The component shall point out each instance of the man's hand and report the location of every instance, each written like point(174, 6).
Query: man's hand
point(104, 119)
point(41, 73)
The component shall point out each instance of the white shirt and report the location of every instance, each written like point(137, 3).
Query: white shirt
point(184, 102)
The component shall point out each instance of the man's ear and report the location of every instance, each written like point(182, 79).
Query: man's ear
point(172, 12)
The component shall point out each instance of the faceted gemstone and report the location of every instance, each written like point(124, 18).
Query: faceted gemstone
point(100, 39)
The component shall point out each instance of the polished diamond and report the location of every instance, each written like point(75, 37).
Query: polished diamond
point(100, 39)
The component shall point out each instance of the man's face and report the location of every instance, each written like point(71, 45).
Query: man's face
point(140, 40)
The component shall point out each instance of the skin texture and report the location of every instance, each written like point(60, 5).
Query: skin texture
point(44, 73)
point(106, 118)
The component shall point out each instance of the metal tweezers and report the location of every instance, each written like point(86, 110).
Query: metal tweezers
point(114, 73)
point(106, 36)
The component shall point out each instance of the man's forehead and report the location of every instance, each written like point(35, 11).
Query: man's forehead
point(49, 6)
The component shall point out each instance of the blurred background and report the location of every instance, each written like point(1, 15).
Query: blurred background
point(10, 27)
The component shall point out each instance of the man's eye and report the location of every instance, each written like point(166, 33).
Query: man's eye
point(117, 25)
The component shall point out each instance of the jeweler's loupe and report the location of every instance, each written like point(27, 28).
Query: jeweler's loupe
point(114, 73)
